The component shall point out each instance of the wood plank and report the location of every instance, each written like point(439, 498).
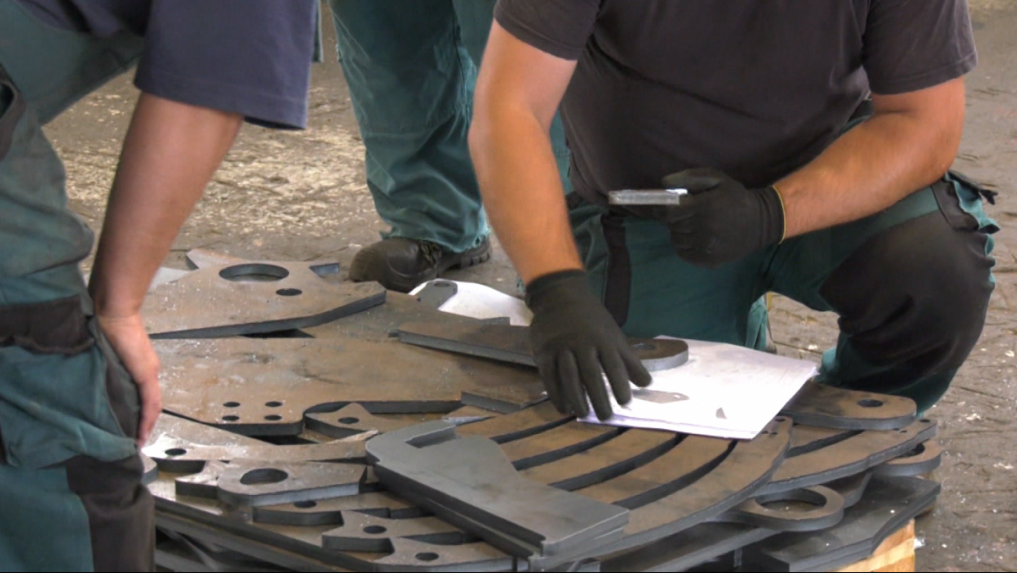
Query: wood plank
point(895, 554)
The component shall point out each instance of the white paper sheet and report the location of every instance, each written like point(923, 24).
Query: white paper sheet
point(723, 390)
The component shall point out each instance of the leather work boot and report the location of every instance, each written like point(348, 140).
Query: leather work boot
point(401, 264)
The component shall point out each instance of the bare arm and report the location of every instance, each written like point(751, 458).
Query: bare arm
point(909, 143)
point(518, 93)
point(169, 155)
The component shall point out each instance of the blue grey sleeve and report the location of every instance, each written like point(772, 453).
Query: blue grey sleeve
point(251, 57)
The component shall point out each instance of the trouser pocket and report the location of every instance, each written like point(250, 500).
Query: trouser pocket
point(12, 108)
point(65, 392)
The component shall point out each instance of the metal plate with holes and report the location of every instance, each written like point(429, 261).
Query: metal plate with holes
point(888, 505)
point(469, 481)
point(828, 407)
point(506, 343)
point(923, 459)
point(252, 298)
point(265, 387)
point(436, 293)
point(669, 484)
point(849, 457)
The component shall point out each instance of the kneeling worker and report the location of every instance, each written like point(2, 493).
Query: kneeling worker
point(798, 183)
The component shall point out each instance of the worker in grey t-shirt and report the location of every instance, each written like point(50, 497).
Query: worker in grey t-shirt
point(79, 382)
point(814, 140)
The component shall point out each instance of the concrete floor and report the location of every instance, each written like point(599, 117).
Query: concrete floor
point(301, 196)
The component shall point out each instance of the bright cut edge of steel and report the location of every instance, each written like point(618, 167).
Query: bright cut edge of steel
point(647, 196)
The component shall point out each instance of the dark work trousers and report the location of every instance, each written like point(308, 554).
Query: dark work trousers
point(71, 497)
point(911, 285)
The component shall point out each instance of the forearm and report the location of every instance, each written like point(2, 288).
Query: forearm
point(870, 168)
point(169, 155)
point(522, 191)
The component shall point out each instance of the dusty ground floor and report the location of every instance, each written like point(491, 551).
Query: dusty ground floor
point(301, 196)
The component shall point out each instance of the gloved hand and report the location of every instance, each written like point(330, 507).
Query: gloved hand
point(719, 221)
point(576, 341)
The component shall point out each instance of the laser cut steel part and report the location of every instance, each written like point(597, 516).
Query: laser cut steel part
point(331, 511)
point(179, 456)
point(471, 478)
point(852, 456)
point(498, 387)
point(828, 407)
point(437, 292)
point(212, 303)
point(738, 477)
point(360, 532)
point(828, 510)
point(889, 504)
point(923, 459)
point(807, 439)
point(252, 483)
point(707, 541)
point(691, 460)
point(264, 387)
point(619, 456)
point(512, 344)
point(557, 443)
point(350, 420)
point(410, 555)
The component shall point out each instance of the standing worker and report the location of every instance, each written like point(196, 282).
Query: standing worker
point(411, 68)
point(797, 183)
point(79, 385)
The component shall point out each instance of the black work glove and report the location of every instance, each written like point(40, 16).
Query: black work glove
point(575, 342)
point(719, 221)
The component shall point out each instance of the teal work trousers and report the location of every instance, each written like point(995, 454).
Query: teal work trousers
point(71, 497)
point(411, 68)
point(911, 285)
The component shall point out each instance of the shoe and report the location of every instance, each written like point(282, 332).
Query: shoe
point(401, 264)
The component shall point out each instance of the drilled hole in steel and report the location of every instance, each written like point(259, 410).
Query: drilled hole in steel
point(427, 556)
point(870, 403)
point(375, 529)
point(305, 504)
point(273, 418)
point(903, 431)
point(794, 501)
point(230, 418)
point(348, 421)
point(176, 452)
point(925, 421)
point(441, 284)
point(289, 292)
point(644, 346)
point(231, 405)
point(273, 404)
point(264, 476)
point(255, 272)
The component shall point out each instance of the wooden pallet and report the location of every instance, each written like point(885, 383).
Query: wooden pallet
point(896, 554)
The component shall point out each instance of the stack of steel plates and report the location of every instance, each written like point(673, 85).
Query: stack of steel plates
point(327, 444)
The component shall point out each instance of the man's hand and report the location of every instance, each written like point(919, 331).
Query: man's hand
point(719, 221)
point(576, 342)
point(129, 340)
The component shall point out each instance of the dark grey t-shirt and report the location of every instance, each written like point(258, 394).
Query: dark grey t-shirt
point(756, 88)
point(251, 57)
